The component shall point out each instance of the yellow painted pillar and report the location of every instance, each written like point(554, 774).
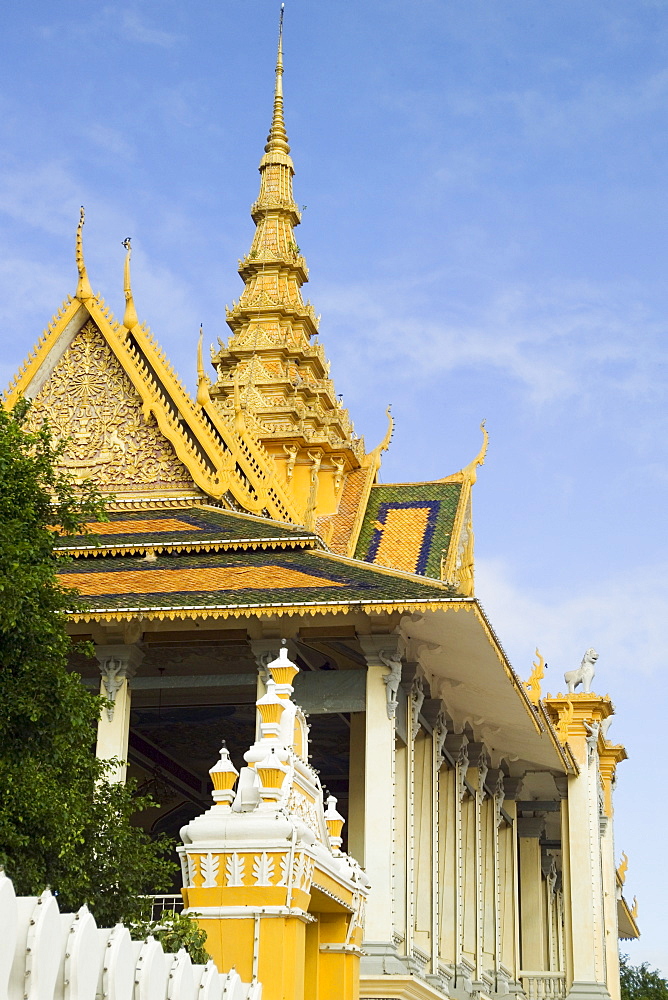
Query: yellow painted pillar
point(532, 897)
point(609, 756)
point(579, 718)
point(509, 878)
point(457, 746)
point(355, 824)
point(118, 663)
point(447, 866)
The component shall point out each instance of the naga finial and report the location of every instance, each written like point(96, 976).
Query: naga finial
point(563, 726)
point(623, 868)
point(130, 319)
point(533, 684)
point(470, 471)
point(385, 443)
point(84, 290)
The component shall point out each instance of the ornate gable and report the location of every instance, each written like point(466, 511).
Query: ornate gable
point(91, 403)
point(130, 424)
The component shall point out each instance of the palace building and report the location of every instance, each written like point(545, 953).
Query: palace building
point(395, 812)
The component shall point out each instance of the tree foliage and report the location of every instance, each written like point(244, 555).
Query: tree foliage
point(175, 931)
point(639, 982)
point(61, 823)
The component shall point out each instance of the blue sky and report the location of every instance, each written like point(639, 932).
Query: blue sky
point(486, 230)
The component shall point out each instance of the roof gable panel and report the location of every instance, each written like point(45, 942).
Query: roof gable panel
point(90, 402)
point(409, 526)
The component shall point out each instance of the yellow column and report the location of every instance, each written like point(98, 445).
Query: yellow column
point(447, 865)
point(118, 663)
point(609, 756)
point(355, 823)
point(579, 717)
point(532, 935)
point(510, 883)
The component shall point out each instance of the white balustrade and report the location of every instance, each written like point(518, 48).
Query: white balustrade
point(48, 955)
point(544, 985)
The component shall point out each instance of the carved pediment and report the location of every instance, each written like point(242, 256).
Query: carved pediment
point(90, 401)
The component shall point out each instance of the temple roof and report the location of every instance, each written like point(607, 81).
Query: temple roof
point(269, 439)
point(409, 526)
point(185, 529)
point(242, 582)
point(127, 420)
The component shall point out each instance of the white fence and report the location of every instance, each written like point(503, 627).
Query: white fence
point(544, 985)
point(48, 955)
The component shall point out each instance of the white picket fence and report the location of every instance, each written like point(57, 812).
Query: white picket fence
point(49, 955)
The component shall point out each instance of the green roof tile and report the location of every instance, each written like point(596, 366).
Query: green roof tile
point(409, 526)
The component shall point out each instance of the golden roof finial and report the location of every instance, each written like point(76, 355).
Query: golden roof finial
point(623, 868)
point(385, 443)
point(130, 319)
point(203, 381)
point(565, 719)
point(84, 291)
point(533, 684)
point(278, 137)
point(470, 472)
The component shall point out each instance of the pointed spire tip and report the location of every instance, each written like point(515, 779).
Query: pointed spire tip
point(278, 137)
point(130, 318)
point(84, 290)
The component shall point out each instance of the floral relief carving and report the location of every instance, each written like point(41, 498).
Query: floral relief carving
point(235, 869)
point(305, 809)
point(209, 866)
point(302, 872)
point(90, 401)
point(263, 869)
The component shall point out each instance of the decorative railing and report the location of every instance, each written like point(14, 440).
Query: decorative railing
point(159, 904)
point(544, 985)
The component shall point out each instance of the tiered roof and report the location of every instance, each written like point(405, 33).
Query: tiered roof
point(268, 438)
point(177, 563)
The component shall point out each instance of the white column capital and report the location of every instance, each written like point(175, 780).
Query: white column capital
point(375, 647)
point(118, 663)
point(127, 658)
point(383, 652)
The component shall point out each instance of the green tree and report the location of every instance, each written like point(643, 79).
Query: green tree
point(639, 982)
point(61, 823)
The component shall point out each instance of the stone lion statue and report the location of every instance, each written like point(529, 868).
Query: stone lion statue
point(584, 675)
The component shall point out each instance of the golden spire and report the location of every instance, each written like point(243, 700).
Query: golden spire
point(84, 291)
point(130, 319)
point(278, 137)
point(295, 413)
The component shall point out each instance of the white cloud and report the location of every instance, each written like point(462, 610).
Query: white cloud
point(136, 29)
point(560, 341)
point(45, 196)
point(111, 140)
point(624, 617)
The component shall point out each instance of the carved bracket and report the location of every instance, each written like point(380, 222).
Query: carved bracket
point(391, 680)
point(117, 664)
point(417, 699)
